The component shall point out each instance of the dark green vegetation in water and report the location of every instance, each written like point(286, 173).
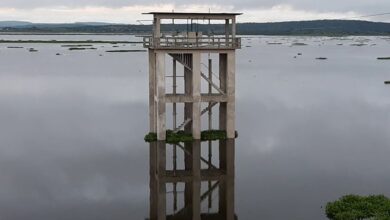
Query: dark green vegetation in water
point(354, 207)
point(383, 58)
point(124, 51)
point(181, 136)
point(67, 42)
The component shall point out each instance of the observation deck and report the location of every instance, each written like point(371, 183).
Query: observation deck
point(187, 33)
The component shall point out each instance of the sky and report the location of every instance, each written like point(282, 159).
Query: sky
point(129, 11)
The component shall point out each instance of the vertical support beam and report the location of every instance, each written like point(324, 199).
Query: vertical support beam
point(161, 107)
point(231, 94)
point(227, 79)
point(226, 187)
point(231, 91)
point(161, 185)
point(188, 92)
point(196, 105)
point(174, 127)
point(152, 92)
point(227, 31)
point(196, 182)
point(156, 30)
point(222, 86)
point(153, 198)
point(234, 30)
point(210, 128)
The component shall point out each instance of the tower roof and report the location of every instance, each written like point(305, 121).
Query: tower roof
point(189, 15)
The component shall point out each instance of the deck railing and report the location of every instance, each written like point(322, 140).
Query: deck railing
point(192, 43)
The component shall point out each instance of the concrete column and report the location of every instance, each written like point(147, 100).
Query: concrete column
point(188, 92)
point(161, 107)
point(156, 30)
point(227, 31)
point(196, 105)
point(161, 185)
point(231, 93)
point(196, 181)
point(153, 199)
point(234, 29)
point(223, 84)
point(152, 92)
point(226, 187)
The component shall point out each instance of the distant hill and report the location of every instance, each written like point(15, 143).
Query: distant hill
point(14, 23)
point(317, 27)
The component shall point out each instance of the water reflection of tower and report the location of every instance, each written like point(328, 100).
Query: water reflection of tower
point(212, 186)
point(187, 49)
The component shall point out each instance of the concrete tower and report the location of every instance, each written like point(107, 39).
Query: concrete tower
point(188, 48)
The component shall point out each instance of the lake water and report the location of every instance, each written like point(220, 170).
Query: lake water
point(310, 131)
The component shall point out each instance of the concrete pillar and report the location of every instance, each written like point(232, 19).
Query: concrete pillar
point(196, 181)
point(222, 86)
point(227, 31)
point(226, 187)
point(231, 93)
point(188, 92)
point(153, 209)
point(234, 30)
point(161, 185)
point(156, 30)
point(196, 105)
point(192, 189)
point(161, 107)
point(152, 92)
point(227, 84)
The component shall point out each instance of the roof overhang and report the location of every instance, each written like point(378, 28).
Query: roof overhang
point(186, 15)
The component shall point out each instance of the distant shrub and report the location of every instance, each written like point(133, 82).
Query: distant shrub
point(354, 207)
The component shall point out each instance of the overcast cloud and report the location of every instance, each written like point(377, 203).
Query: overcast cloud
point(128, 11)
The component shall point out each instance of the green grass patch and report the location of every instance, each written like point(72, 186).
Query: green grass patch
point(354, 207)
point(181, 136)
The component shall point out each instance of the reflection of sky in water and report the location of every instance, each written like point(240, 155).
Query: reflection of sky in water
point(310, 131)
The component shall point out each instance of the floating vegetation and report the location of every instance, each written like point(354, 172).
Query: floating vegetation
point(340, 44)
point(115, 46)
point(68, 42)
point(299, 54)
point(124, 51)
point(358, 45)
point(58, 54)
point(321, 58)
point(299, 44)
point(77, 45)
point(82, 48)
point(354, 207)
point(387, 82)
point(248, 46)
point(181, 136)
point(14, 47)
point(32, 50)
point(274, 43)
point(383, 58)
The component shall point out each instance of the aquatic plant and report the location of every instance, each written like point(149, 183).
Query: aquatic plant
point(354, 207)
point(181, 136)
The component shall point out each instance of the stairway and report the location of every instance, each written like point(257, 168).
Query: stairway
point(186, 61)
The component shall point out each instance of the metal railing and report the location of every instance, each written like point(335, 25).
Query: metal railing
point(192, 43)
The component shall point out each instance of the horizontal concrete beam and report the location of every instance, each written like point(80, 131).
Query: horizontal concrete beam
point(187, 176)
point(183, 98)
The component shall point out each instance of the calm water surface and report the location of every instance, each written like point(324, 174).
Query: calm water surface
point(72, 127)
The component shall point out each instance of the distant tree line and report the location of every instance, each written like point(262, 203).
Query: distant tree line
point(318, 27)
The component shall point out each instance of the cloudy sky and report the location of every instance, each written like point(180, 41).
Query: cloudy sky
point(128, 11)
